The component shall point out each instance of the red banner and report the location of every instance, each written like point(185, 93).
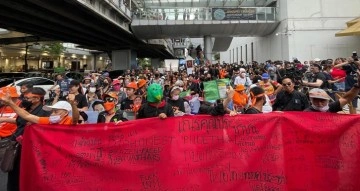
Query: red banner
point(277, 151)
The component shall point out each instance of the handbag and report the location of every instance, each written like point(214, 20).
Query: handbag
point(7, 163)
point(4, 143)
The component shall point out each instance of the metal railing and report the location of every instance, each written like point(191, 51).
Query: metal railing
point(228, 13)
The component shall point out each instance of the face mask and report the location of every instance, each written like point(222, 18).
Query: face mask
point(26, 103)
point(55, 119)
point(321, 109)
point(176, 97)
point(92, 90)
point(109, 106)
point(181, 89)
point(116, 88)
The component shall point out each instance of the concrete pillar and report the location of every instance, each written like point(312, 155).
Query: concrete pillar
point(124, 59)
point(208, 47)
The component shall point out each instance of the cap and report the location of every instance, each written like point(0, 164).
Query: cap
point(265, 76)
point(105, 74)
point(179, 83)
point(11, 90)
point(318, 93)
point(111, 94)
point(87, 78)
point(132, 85)
point(174, 88)
point(253, 85)
point(74, 83)
point(115, 81)
point(317, 59)
point(58, 105)
point(240, 87)
point(141, 83)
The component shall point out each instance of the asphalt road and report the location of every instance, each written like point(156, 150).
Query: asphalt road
point(3, 181)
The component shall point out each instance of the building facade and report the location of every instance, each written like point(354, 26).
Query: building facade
point(306, 31)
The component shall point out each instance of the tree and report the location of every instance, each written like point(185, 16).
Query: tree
point(54, 49)
point(144, 62)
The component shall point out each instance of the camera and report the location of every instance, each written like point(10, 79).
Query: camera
point(355, 56)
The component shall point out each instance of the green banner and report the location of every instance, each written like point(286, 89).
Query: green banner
point(215, 89)
point(59, 69)
point(184, 93)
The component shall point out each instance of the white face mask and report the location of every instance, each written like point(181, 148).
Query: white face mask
point(92, 90)
point(176, 97)
point(321, 109)
point(54, 119)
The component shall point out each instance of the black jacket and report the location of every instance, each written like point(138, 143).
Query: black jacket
point(296, 101)
point(117, 117)
point(177, 104)
point(147, 110)
point(206, 108)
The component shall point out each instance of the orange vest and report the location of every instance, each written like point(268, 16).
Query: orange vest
point(7, 129)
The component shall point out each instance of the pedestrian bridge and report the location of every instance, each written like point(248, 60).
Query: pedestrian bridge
point(219, 23)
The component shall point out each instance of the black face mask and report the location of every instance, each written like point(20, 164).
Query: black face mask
point(26, 103)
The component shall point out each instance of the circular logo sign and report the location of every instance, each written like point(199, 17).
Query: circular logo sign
point(219, 14)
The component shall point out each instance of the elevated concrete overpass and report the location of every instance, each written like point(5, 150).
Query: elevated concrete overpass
point(95, 24)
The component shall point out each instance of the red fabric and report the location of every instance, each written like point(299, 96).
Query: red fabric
point(277, 151)
point(159, 105)
point(338, 73)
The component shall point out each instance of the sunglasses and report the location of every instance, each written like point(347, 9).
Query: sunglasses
point(109, 99)
point(288, 84)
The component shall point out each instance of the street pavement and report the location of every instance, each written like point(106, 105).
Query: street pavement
point(3, 181)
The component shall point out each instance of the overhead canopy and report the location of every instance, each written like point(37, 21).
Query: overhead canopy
point(352, 30)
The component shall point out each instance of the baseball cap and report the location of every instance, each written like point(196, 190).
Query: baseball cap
point(105, 74)
point(132, 85)
point(318, 93)
point(141, 83)
point(115, 81)
point(240, 87)
point(317, 59)
point(87, 78)
point(265, 76)
point(111, 94)
point(58, 105)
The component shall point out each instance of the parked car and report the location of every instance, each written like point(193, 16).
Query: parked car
point(12, 75)
point(74, 76)
point(41, 82)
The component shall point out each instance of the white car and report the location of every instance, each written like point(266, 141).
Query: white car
point(40, 82)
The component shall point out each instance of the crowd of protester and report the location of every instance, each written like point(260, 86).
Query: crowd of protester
point(316, 86)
